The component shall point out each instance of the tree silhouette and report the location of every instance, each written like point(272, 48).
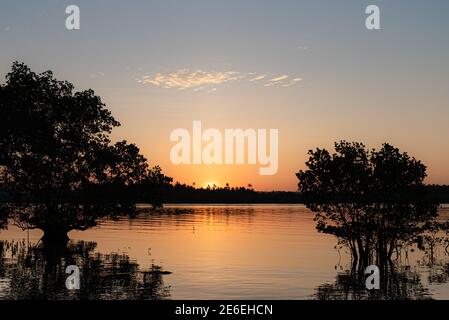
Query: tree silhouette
point(57, 162)
point(3, 218)
point(373, 201)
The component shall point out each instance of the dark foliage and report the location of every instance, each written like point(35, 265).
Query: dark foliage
point(57, 163)
point(372, 200)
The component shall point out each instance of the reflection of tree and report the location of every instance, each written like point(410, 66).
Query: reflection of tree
point(439, 273)
point(435, 259)
point(39, 273)
point(398, 280)
point(400, 284)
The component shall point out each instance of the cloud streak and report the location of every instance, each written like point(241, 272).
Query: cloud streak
point(208, 81)
point(186, 79)
point(257, 78)
point(277, 79)
point(291, 82)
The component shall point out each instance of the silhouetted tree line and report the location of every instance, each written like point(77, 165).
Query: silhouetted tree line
point(438, 192)
point(182, 193)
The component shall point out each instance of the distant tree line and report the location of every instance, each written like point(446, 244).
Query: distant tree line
point(438, 192)
point(183, 193)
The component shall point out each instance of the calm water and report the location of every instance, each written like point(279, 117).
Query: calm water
point(202, 252)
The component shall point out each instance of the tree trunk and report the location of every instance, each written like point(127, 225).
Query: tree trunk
point(55, 235)
point(55, 229)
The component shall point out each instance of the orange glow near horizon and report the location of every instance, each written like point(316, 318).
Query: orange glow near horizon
point(210, 183)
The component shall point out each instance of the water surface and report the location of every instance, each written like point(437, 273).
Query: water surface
point(203, 252)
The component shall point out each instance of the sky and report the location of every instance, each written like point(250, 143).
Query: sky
point(310, 69)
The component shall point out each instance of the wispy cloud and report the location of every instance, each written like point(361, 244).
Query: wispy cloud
point(185, 79)
point(283, 80)
point(277, 79)
point(291, 82)
point(207, 81)
point(257, 78)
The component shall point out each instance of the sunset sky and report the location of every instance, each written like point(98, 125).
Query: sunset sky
point(308, 68)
